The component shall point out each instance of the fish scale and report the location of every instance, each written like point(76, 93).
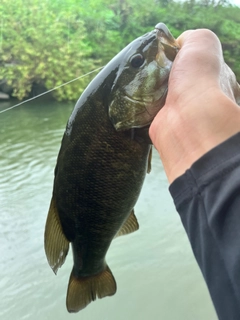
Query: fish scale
point(102, 163)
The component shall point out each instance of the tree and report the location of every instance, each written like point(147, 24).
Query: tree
point(43, 46)
point(51, 42)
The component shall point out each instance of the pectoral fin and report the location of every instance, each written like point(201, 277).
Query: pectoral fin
point(55, 243)
point(129, 226)
point(149, 160)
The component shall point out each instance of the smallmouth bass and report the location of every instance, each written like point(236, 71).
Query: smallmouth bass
point(103, 159)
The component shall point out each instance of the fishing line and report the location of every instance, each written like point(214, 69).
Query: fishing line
point(42, 94)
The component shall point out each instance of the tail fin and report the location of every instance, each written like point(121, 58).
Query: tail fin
point(82, 291)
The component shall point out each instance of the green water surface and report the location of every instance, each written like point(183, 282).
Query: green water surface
point(156, 274)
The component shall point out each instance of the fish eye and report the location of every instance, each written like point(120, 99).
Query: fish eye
point(137, 60)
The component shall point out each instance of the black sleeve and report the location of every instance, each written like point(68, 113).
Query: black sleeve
point(207, 198)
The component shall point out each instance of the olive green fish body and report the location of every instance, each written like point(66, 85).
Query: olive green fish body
point(103, 161)
point(99, 193)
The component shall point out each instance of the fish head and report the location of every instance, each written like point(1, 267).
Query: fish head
point(140, 86)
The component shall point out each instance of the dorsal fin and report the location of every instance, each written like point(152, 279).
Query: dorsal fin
point(129, 226)
point(55, 243)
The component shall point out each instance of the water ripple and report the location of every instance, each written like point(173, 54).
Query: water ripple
point(155, 264)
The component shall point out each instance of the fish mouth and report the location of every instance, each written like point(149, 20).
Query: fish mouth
point(166, 44)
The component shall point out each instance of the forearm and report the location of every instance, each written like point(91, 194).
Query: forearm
point(207, 199)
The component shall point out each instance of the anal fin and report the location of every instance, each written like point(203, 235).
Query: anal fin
point(55, 243)
point(83, 290)
point(129, 226)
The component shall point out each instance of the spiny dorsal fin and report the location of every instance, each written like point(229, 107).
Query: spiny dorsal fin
point(129, 226)
point(83, 290)
point(55, 243)
point(149, 160)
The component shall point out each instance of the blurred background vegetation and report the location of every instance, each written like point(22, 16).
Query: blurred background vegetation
point(44, 43)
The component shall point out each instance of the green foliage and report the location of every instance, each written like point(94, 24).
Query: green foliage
point(43, 46)
point(218, 16)
point(51, 42)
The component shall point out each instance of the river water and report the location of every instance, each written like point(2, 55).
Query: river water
point(155, 270)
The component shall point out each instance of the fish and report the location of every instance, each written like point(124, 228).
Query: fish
point(103, 159)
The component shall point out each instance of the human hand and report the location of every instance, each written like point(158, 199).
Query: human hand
point(201, 108)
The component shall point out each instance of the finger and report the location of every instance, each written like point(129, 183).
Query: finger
point(201, 51)
point(199, 58)
point(228, 84)
point(201, 39)
point(182, 38)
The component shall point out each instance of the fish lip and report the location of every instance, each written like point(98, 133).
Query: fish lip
point(166, 44)
point(165, 36)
